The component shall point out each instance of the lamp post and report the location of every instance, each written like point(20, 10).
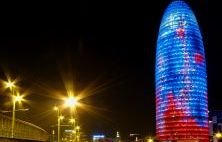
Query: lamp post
point(17, 98)
point(73, 121)
point(77, 133)
point(53, 136)
point(59, 121)
point(72, 102)
point(59, 118)
point(11, 85)
point(13, 114)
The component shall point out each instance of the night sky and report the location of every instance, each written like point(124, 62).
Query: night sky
point(107, 47)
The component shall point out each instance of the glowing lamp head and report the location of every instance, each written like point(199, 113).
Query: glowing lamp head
point(77, 127)
point(61, 117)
point(10, 84)
point(18, 98)
point(150, 140)
point(55, 108)
point(71, 101)
point(74, 132)
point(218, 135)
point(72, 120)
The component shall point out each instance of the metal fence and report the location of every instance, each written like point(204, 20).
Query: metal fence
point(22, 130)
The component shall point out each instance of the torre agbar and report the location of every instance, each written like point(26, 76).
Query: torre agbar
point(180, 78)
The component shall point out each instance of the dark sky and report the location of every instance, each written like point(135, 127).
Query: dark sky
point(107, 45)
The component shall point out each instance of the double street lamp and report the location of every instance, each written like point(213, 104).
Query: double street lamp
point(15, 98)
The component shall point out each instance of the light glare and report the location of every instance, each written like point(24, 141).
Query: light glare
point(218, 135)
point(18, 98)
point(71, 102)
point(9, 84)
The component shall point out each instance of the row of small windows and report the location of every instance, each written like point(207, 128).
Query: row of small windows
point(195, 115)
point(170, 50)
point(177, 65)
point(178, 85)
point(173, 74)
point(166, 51)
point(189, 45)
point(192, 29)
point(172, 37)
point(194, 97)
point(178, 54)
point(179, 121)
point(181, 104)
point(177, 79)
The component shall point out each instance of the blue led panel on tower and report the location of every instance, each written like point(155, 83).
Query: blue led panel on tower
point(181, 79)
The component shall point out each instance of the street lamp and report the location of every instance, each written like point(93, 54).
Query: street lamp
point(78, 128)
point(72, 102)
point(18, 98)
point(77, 133)
point(73, 121)
point(11, 85)
point(59, 118)
point(53, 135)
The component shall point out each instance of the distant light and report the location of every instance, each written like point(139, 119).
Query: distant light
point(55, 108)
point(150, 140)
point(117, 134)
point(61, 117)
point(77, 127)
point(136, 139)
point(72, 120)
point(96, 137)
point(69, 131)
point(218, 135)
point(131, 135)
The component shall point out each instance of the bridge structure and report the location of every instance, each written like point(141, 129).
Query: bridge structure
point(23, 131)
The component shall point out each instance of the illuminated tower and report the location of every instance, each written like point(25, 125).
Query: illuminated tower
point(180, 77)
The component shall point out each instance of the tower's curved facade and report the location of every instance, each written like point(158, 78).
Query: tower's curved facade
point(180, 77)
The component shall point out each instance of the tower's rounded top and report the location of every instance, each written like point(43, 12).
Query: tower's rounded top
point(178, 4)
point(178, 7)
